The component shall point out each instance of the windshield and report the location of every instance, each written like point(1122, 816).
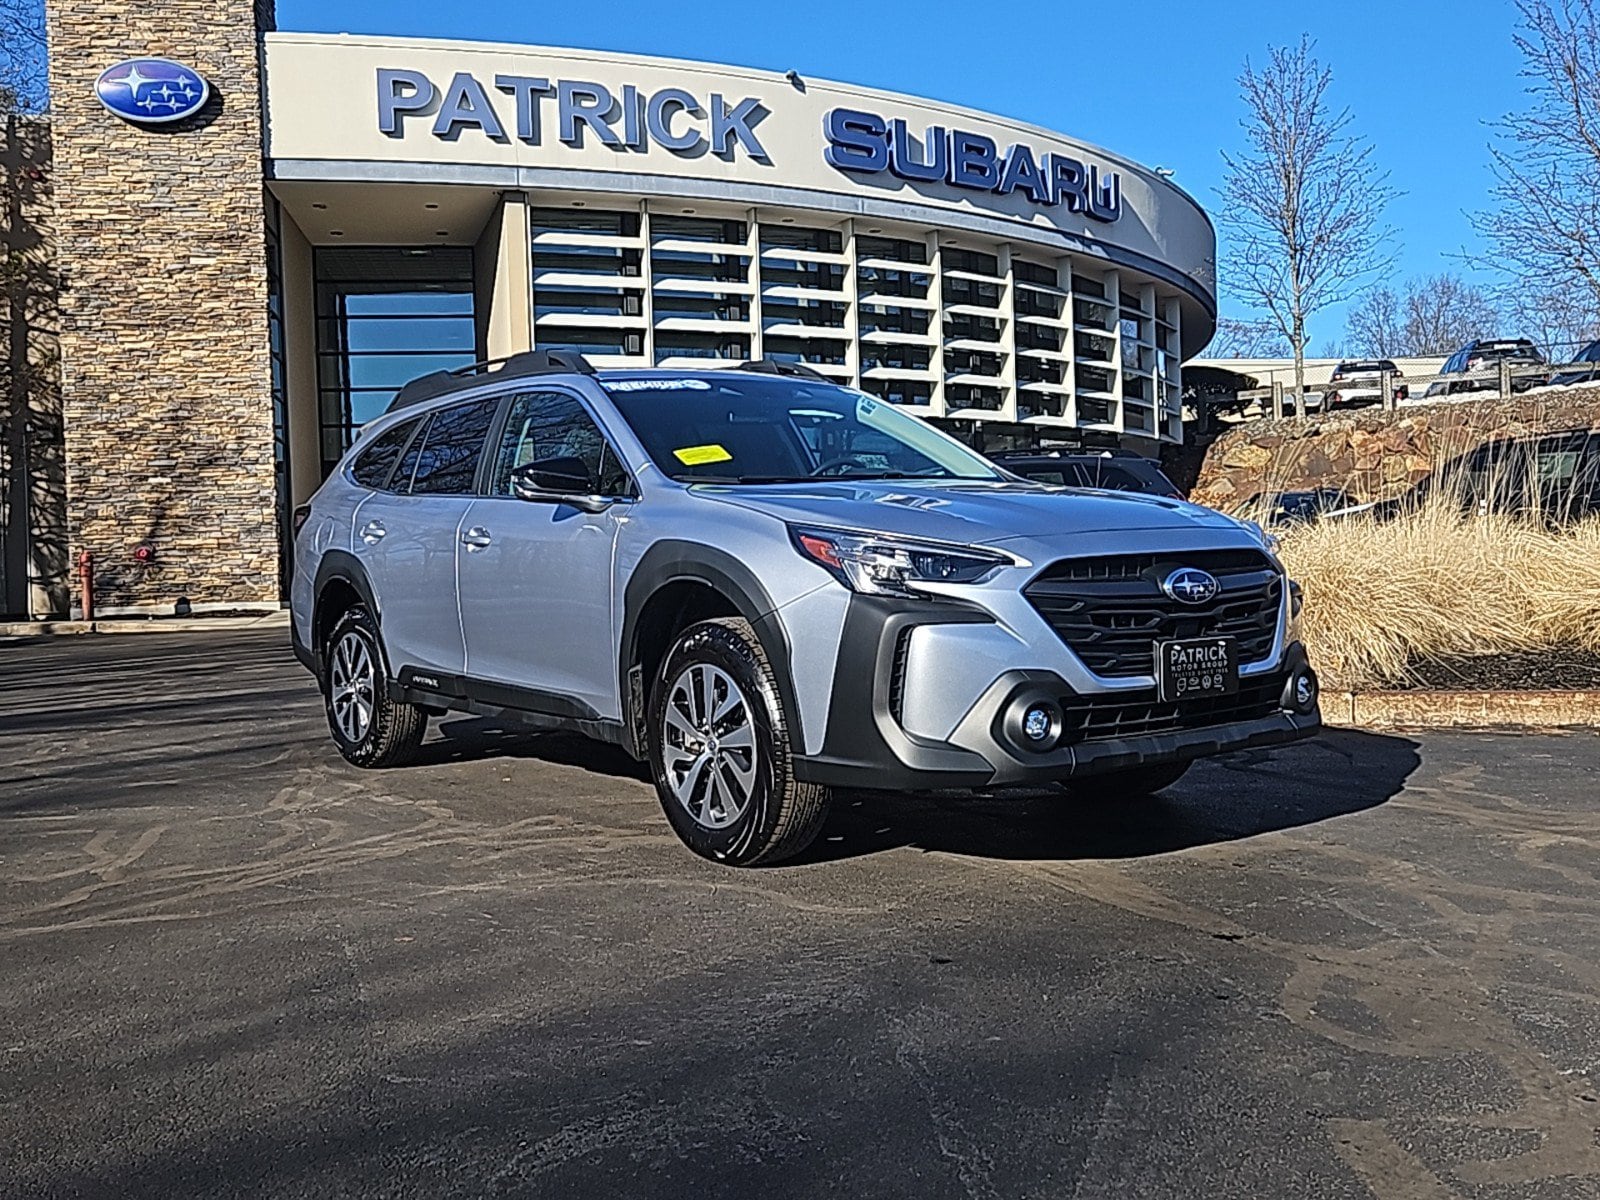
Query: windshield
point(732, 428)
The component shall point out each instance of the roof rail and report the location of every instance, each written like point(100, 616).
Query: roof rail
point(771, 366)
point(514, 366)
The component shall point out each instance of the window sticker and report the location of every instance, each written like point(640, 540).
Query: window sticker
point(699, 456)
point(657, 385)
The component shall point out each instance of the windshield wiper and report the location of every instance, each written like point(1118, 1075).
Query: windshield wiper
point(851, 477)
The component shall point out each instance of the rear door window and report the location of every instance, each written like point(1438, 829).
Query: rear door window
point(1061, 476)
point(1117, 479)
point(451, 447)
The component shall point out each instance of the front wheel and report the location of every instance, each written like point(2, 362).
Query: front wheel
point(370, 729)
point(1131, 784)
point(720, 751)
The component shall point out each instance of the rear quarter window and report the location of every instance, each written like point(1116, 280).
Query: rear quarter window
point(374, 465)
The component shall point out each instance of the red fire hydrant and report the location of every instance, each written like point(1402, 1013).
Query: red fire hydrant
point(86, 584)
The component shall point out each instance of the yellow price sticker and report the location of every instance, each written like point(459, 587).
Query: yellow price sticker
point(699, 456)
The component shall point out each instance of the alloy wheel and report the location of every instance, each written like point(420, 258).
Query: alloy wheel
point(352, 686)
point(708, 746)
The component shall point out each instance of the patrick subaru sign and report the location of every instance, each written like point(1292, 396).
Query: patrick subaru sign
point(631, 118)
point(152, 91)
point(628, 118)
point(865, 144)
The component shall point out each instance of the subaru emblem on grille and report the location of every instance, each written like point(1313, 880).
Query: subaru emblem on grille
point(1190, 585)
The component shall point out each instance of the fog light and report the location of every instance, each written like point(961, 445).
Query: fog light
point(1036, 723)
point(1300, 690)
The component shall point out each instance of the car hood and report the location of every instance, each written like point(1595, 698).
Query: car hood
point(968, 512)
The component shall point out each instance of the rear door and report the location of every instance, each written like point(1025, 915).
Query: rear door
point(406, 538)
point(536, 575)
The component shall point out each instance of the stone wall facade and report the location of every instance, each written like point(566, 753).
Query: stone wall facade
point(165, 368)
point(1373, 454)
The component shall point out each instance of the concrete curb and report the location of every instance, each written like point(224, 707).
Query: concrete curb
point(1384, 710)
point(40, 630)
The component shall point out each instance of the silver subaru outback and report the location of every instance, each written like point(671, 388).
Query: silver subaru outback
point(769, 586)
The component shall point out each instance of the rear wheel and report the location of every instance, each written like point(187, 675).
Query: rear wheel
point(1131, 784)
point(720, 751)
point(370, 729)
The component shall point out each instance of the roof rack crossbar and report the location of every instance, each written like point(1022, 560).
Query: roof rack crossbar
point(512, 366)
point(771, 366)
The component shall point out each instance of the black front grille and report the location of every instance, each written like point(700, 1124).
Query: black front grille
point(1111, 610)
point(1133, 714)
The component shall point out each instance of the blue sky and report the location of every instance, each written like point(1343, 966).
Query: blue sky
point(1153, 80)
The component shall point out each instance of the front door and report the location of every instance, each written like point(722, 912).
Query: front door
point(407, 538)
point(536, 576)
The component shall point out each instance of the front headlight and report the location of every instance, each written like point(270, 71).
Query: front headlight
point(889, 566)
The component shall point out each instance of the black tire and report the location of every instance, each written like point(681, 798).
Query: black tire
point(391, 732)
point(1134, 783)
point(780, 816)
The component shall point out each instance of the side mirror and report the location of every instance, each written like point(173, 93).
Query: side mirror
point(561, 480)
point(564, 475)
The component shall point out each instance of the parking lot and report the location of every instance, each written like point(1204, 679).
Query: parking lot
point(1365, 966)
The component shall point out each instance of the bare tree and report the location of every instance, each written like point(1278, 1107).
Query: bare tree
point(1236, 338)
point(1376, 325)
point(23, 75)
point(1444, 312)
point(1433, 315)
point(1303, 202)
point(1559, 319)
point(1544, 226)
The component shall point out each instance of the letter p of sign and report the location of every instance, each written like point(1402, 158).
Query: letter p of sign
point(402, 94)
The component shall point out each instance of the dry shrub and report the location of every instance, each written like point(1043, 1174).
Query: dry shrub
point(1432, 584)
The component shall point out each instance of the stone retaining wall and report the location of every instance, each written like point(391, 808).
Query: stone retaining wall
point(1374, 454)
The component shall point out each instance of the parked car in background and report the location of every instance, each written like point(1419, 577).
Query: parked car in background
point(1476, 367)
point(1277, 510)
point(1585, 368)
point(1551, 477)
point(1109, 470)
point(1359, 382)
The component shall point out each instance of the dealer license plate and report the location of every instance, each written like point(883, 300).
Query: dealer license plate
point(1195, 668)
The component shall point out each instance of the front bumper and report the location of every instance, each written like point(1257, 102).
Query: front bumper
point(868, 744)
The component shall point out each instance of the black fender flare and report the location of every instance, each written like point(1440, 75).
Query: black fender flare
point(337, 566)
point(673, 561)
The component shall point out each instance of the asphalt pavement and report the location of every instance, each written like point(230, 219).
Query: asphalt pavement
point(231, 965)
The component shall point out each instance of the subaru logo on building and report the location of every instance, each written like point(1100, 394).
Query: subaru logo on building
point(1190, 585)
point(152, 91)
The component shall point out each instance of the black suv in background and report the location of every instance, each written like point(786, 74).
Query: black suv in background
point(1549, 477)
point(1110, 470)
point(1585, 368)
point(1476, 367)
point(1279, 510)
point(1359, 382)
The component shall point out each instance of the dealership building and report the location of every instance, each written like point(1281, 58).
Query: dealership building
point(260, 235)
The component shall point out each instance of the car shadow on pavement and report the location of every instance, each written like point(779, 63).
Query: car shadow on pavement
point(1242, 795)
point(1341, 771)
point(465, 739)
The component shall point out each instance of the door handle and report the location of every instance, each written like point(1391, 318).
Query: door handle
point(373, 532)
point(476, 538)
